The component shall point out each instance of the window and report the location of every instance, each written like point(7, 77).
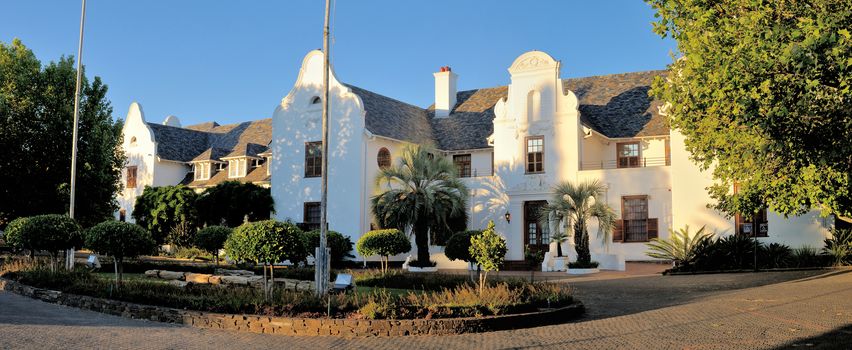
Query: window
point(535, 154)
point(536, 235)
point(316, 100)
point(756, 225)
point(131, 177)
point(634, 213)
point(313, 159)
point(313, 215)
point(628, 154)
point(202, 171)
point(462, 162)
point(133, 141)
point(122, 215)
point(383, 158)
point(236, 167)
point(256, 163)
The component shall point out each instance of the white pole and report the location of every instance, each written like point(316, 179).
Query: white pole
point(69, 254)
point(322, 259)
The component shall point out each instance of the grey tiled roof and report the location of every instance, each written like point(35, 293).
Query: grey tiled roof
point(618, 105)
point(471, 120)
point(394, 119)
point(178, 144)
point(247, 150)
point(187, 144)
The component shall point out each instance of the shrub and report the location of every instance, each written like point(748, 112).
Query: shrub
point(192, 253)
point(120, 240)
point(383, 243)
point(807, 256)
point(582, 265)
point(228, 204)
point(340, 245)
point(266, 242)
point(776, 255)
point(458, 246)
point(159, 209)
point(51, 232)
point(839, 247)
point(211, 239)
point(182, 234)
point(681, 247)
point(489, 250)
point(405, 280)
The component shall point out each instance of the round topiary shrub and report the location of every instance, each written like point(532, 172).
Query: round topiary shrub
point(211, 239)
point(267, 241)
point(458, 246)
point(383, 243)
point(120, 240)
point(51, 232)
point(340, 245)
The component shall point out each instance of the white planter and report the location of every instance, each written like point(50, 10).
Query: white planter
point(423, 269)
point(583, 271)
point(560, 263)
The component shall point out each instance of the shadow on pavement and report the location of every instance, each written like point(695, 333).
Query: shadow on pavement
point(619, 297)
point(20, 310)
point(839, 338)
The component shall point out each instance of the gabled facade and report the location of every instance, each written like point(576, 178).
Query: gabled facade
point(511, 144)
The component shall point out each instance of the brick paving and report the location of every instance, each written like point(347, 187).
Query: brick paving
point(804, 309)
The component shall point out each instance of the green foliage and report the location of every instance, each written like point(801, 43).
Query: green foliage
point(340, 245)
point(681, 247)
point(572, 206)
point(399, 279)
point(458, 246)
point(182, 235)
point(160, 209)
point(583, 265)
point(807, 256)
point(776, 255)
point(267, 241)
point(423, 192)
point(488, 249)
point(120, 240)
point(839, 247)
point(534, 257)
point(761, 94)
point(383, 243)
point(228, 204)
point(212, 238)
point(36, 132)
point(50, 232)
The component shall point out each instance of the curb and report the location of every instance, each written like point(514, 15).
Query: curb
point(827, 268)
point(348, 328)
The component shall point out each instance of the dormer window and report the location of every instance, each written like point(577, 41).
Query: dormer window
point(237, 167)
point(202, 171)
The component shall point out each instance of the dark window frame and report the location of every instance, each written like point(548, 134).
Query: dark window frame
point(308, 214)
point(313, 162)
point(532, 221)
point(631, 223)
point(383, 158)
point(537, 165)
point(629, 161)
point(462, 162)
point(131, 179)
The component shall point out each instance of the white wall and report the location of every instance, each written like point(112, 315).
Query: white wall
point(297, 121)
point(141, 154)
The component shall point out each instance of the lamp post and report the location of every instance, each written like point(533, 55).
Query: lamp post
point(321, 273)
point(69, 254)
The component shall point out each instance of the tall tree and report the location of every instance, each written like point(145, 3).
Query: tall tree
point(36, 121)
point(762, 96)
point(422, 192)
point(162, 209)
point(228, 204)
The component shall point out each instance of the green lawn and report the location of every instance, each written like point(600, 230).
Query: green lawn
point(129, 277)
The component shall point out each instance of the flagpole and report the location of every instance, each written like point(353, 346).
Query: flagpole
point(69, 254)
point(322, 259)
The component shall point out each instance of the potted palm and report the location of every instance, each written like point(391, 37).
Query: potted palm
point(560, 262)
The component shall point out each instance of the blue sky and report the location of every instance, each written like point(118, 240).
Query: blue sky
point(232, 61)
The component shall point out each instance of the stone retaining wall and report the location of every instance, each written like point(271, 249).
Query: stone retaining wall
point(299, 326)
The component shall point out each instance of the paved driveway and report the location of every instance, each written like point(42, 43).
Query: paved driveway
point(811, 309)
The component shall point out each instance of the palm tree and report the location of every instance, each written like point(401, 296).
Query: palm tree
point(572, 207)
point(421, 192)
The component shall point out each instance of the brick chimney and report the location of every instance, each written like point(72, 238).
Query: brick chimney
point(445, 91)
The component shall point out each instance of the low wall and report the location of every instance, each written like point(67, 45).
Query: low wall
point(299, 326)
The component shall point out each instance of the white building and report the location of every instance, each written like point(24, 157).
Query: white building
point(511, 144)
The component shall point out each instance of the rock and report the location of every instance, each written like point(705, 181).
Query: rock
point(197, 278)
point(171, 275)
point(152, 273)
point(177, 283)
point(255, 281)
point(215, 279)
point(225, 272)
point(234, 280)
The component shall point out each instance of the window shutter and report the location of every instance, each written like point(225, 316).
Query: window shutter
point(618, 231)
point(652, 229)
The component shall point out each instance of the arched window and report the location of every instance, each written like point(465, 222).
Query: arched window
point(533, 106)
point(133, 141)
point(383, 158)
point(316, 100)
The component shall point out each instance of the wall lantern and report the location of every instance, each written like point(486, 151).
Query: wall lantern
point(508, 217)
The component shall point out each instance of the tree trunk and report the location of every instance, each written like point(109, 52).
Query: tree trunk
point(582, 244)
point(265, 285)
point(271, 279)
point(558, 249)
point(421, 239)
point(115, 266)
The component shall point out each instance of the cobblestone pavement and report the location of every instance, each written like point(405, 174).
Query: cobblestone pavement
point(807, 309)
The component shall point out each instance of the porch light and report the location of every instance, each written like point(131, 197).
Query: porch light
point(508, 217)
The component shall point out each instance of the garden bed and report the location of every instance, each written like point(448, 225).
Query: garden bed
point(348, 327)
